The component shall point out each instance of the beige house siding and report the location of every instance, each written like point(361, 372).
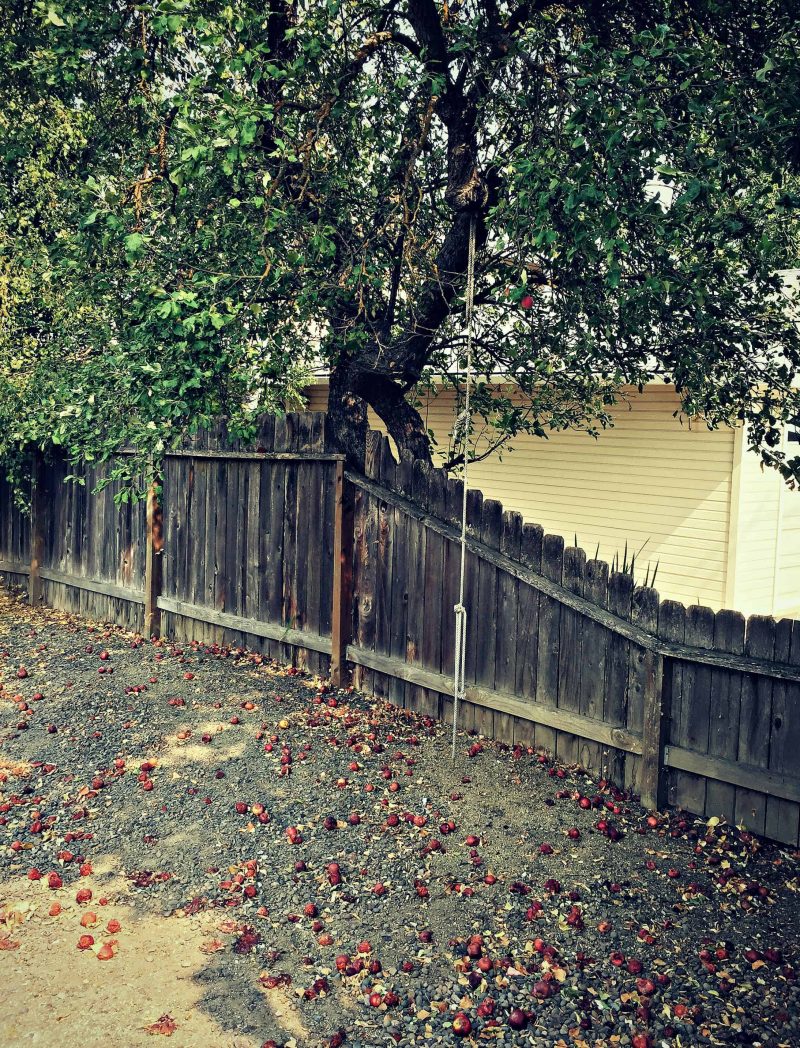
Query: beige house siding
point(650, 482)
point(787, 597)
point(765, 569)
point(787, 570)
point(757, 538)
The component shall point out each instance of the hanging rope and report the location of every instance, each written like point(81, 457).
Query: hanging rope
point(463, 429)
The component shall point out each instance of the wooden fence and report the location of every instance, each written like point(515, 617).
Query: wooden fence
point(277, 546)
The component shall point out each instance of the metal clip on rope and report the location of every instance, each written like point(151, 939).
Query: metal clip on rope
point(459, 689)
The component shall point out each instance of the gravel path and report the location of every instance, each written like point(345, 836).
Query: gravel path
point(261, 861)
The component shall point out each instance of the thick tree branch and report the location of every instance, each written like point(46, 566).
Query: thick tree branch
point(426, 23)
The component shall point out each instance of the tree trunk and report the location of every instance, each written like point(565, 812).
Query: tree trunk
point(348, 416)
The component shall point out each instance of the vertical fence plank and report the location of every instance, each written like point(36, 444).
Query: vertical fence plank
point(434, 587)
point(452, 565)
point(483, 612)
point(341, 611)
point(644, 693)
point(208, 531)
point(530, 556)
point(506, 624)
point(690, 789)
point(672, 627)
point(653, 675)
point(236, 538)
point(725, 700)
point(470, 719)
point(316, 566)
point(615, 712)
point(782, 821)
point(38, 525)
point(185, 570)
point(570, 652)
point(304, 513)
point(365, 567)
point(755, 721)
point(290, 479)
point(549, 636)
point(250, 550)
point(274, 536)
point(153, 564)
point(267, 490)
point(327, 551)
point(402, 528)
point(384, 568)
point(417, 552)
point(593, 660)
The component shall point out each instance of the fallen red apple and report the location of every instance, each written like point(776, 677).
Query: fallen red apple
point(517, 1019)
point(462, 1026)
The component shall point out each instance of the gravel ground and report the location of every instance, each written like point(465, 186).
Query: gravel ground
point(294, 866)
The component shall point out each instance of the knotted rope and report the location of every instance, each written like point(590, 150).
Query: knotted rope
point(463, 429)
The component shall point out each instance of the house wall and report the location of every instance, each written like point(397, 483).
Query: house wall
point(756, 534)
point(787, 595)
point(787, 568)
point(766, 562)
point(658, 484)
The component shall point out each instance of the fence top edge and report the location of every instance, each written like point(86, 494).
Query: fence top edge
point(254, 456)
point(638, 634)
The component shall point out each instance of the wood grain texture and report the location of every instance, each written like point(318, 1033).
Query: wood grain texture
point(561, 652)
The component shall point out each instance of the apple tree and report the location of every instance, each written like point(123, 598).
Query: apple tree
point(202, 201)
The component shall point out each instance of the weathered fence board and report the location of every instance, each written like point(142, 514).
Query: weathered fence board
point(275, 544)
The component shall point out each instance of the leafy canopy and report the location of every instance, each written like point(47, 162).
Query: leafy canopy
point(203, 201)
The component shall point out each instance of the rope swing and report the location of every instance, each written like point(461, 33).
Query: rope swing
point(464, 428)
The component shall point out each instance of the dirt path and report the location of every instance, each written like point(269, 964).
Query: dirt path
point(285, 863)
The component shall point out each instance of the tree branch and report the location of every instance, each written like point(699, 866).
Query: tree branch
point(426, 23)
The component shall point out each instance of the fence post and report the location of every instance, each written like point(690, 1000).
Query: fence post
point(38, 503)
point(342, 616)
point(154, 545)
point(656, 692)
